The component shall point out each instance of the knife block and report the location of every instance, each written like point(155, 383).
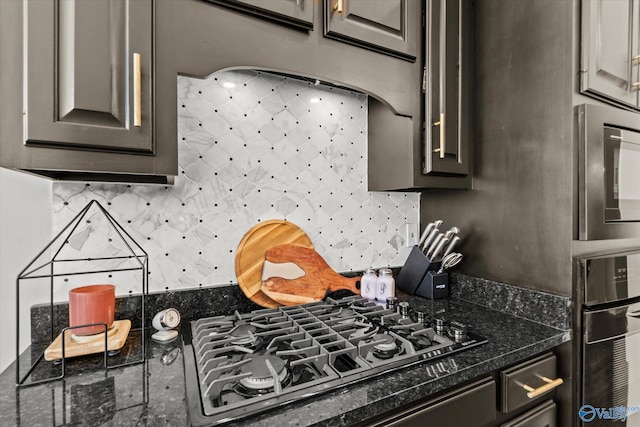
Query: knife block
point(434, 285)
point(414, 271)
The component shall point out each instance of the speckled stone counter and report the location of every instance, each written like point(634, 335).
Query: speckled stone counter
point(153, 392)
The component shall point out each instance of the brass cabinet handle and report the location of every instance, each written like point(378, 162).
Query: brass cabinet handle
point(137, 86)
point(550, 385)
point(636, 59)
point(635, 86)
point(338, 6)
point(440, 123)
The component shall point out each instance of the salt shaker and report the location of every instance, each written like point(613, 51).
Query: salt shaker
point(385, 285)
point(368, 284)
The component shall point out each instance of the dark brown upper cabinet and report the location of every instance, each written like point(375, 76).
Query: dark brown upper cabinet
point(610, 51)
point(93, 89)
point(78, 99)
point(298, 13)
point(445, 127)
point(380, 25)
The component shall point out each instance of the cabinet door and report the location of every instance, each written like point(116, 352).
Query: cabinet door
point(85, 87)
point(471, 406)
point(381, 25)
point(445, 149)
point(298, 13)
point(610, 34)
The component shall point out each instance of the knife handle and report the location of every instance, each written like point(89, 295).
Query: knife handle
point(439, 247)
point(452, 244)
point(451, 232)
point(425, 233)
point(432, 235)
point(434, 245)
point(428, 229)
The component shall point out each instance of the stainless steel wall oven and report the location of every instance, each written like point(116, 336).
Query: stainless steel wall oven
point(609, 360)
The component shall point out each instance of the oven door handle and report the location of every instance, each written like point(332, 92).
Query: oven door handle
point(611, 323)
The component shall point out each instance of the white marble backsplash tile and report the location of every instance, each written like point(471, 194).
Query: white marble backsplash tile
point(252, 146)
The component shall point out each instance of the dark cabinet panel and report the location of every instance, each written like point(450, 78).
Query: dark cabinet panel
point(610, 48)
point(298, 13)
point(89, 74)
point(381, 25)
point(446, 150)
point(472, 405)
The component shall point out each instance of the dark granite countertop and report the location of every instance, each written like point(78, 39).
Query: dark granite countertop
point(153, 392)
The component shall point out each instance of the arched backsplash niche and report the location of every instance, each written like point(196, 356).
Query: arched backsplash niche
point(252, 146)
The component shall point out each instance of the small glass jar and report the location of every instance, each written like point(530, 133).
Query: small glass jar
point(368, 284)
point(385, 285)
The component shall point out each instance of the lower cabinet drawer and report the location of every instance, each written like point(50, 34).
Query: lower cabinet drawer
point(469, 406)
point(543, 415)
point(527, 382)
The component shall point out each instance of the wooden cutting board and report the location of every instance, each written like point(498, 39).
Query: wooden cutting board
point(251, 252)
point(313, 280)
point(116, 337)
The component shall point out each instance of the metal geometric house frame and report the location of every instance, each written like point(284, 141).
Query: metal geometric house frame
point(55, 264)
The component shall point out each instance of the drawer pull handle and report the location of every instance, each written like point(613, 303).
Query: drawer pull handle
point(636, 60)
point(635, 86)
point(338, 6)
point(137, 94)
point(550, 385)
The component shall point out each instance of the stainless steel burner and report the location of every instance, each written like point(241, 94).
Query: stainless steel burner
point(243, 334)
point(263, 371)
point(387, 344)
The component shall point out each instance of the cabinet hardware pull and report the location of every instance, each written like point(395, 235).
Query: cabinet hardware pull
point(550, 385)
point(442, 142)
point(424, 79)
point(635, 86)
point(137, 97)
point(636, 59)
point(338, 6)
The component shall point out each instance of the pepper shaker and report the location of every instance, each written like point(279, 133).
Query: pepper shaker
point(385, 285)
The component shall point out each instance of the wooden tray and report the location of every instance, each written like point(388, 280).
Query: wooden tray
point(116, 337)
point(251, 252)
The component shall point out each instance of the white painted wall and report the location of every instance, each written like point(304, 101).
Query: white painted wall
point(25, 228)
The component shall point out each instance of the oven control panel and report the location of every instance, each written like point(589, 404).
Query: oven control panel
point(611, 278)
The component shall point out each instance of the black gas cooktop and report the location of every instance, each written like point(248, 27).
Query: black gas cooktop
point(245, 364)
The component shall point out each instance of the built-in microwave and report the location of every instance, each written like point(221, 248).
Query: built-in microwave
point(609, 173)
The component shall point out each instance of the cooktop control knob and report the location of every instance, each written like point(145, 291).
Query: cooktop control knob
point(405, 309)
point(459, 330)
point(421, 317)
